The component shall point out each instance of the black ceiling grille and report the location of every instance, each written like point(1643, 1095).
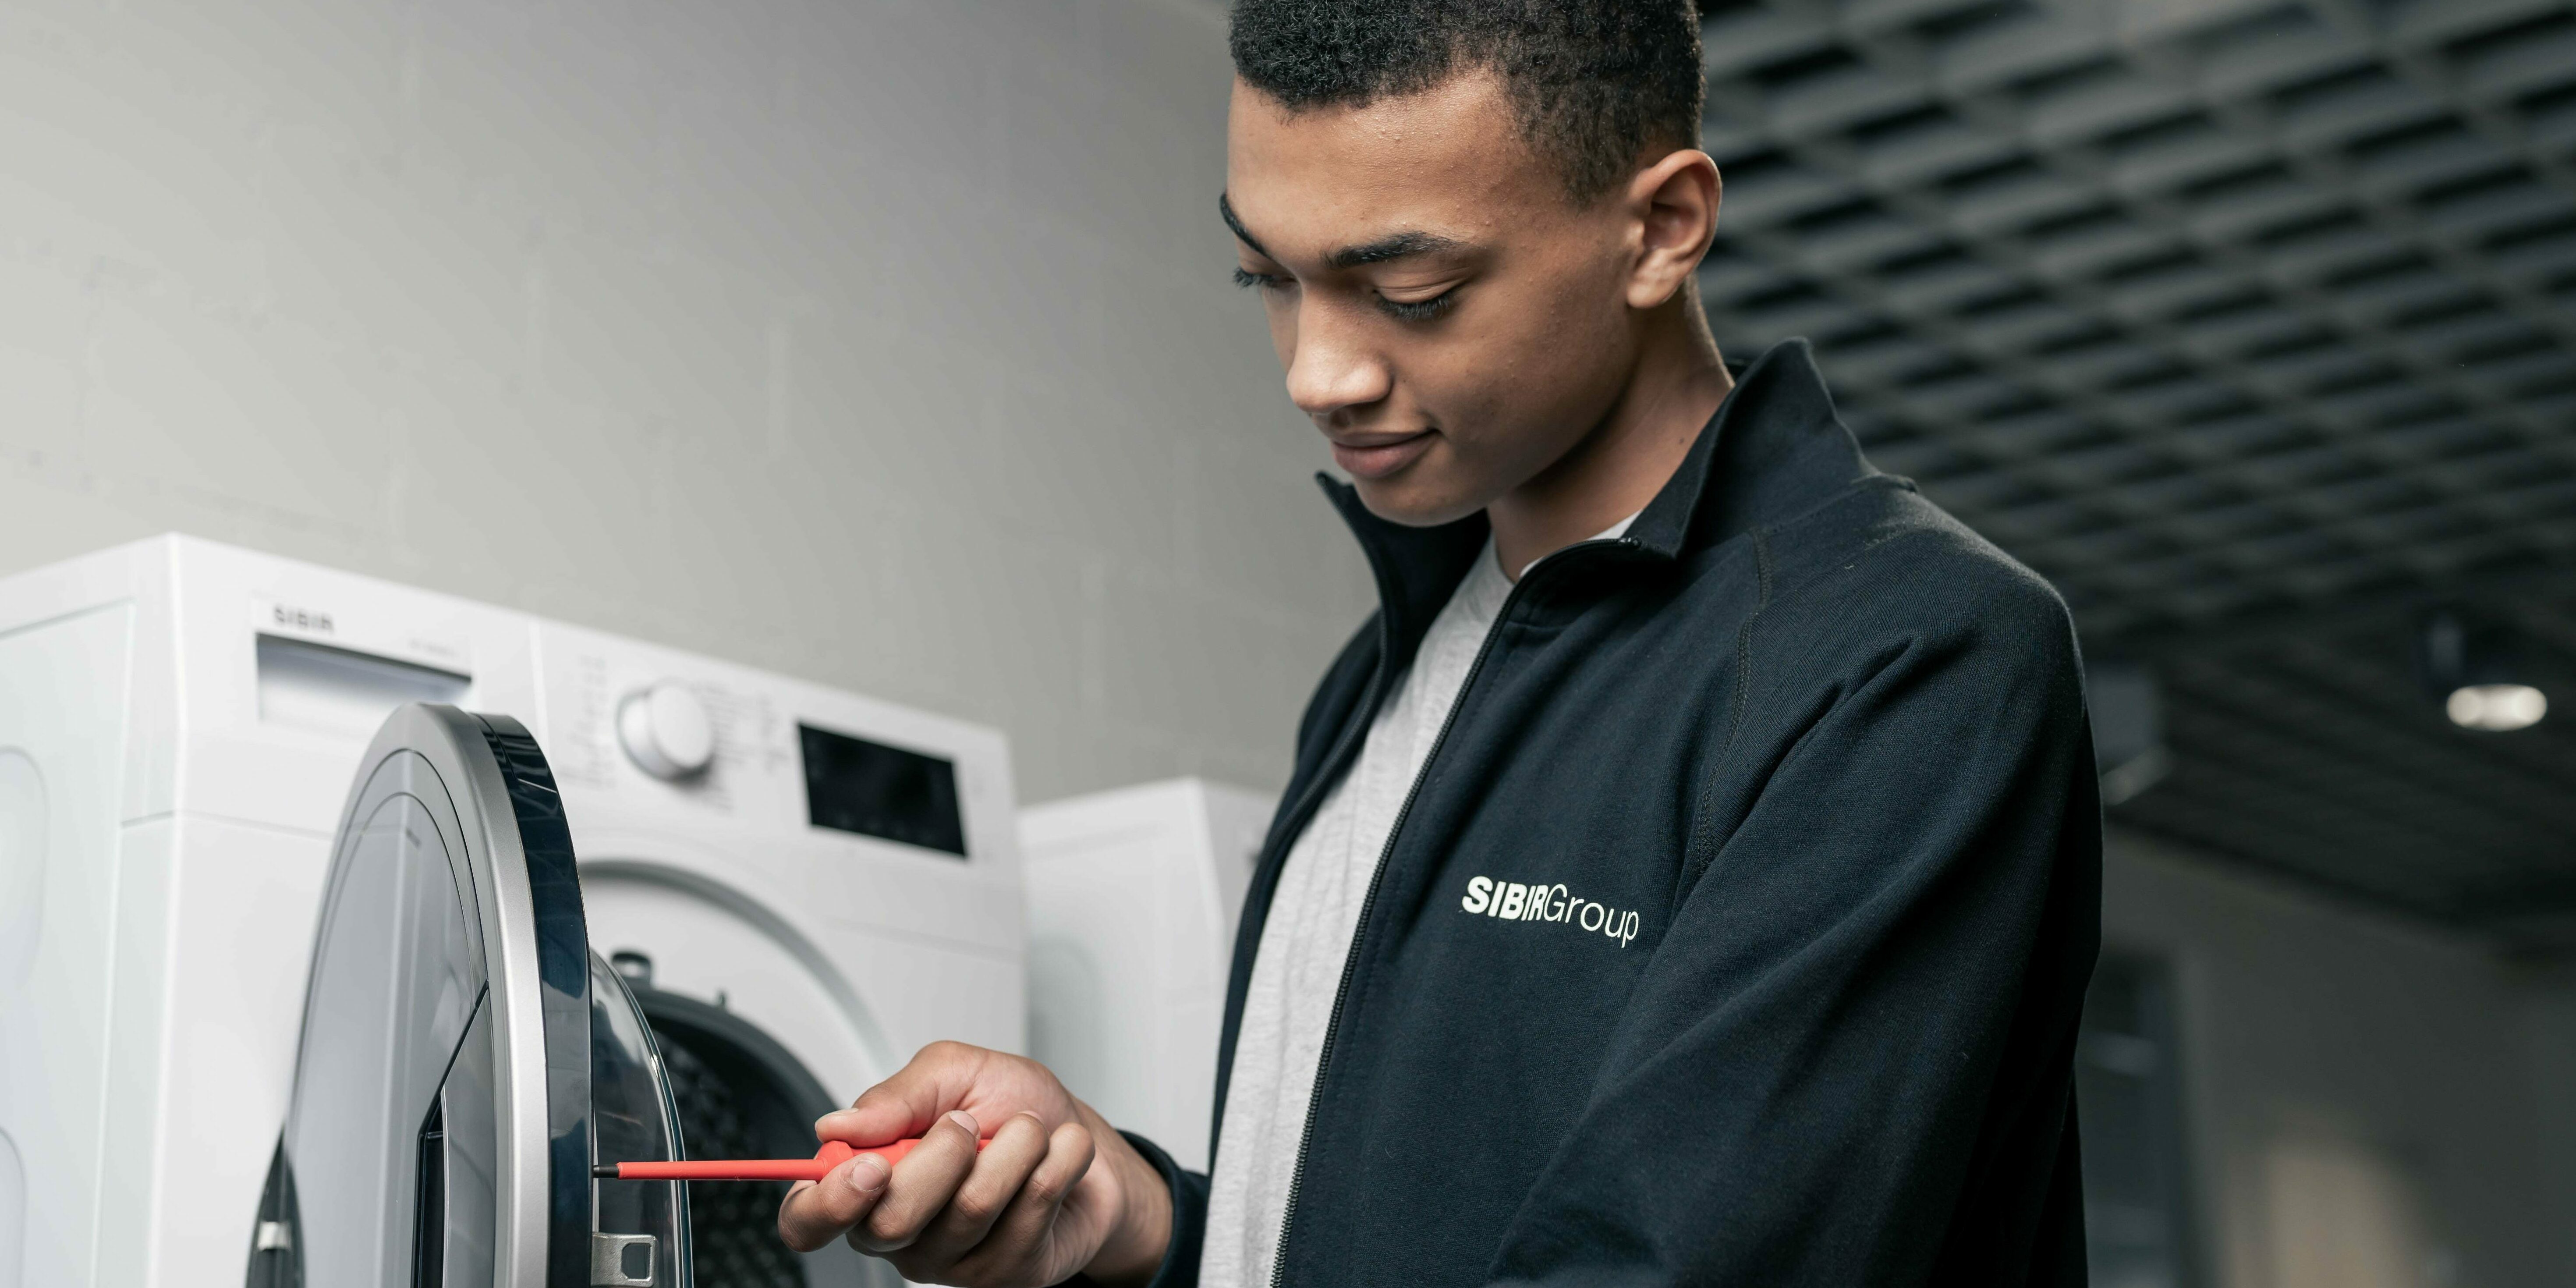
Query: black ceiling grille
point(2250, 324)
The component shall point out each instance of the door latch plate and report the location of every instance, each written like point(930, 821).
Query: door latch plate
point(621, 1260)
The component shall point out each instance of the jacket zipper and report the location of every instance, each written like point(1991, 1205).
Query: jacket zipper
point(1368, 901)
point(1303, 813)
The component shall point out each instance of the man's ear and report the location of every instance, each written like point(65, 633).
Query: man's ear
point(1675, 202)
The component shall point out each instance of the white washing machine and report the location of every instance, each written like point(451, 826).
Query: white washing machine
point(1133, 899)
point(837, 888)
point(799, 886)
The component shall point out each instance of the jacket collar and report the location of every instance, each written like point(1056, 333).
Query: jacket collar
point(1774, 449)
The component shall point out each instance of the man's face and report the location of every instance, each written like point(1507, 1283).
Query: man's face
point(1448, 317)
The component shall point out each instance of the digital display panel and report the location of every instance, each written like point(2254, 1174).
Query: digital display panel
point(853, 785)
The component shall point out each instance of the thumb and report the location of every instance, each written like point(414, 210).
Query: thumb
point(903, 1105)
point(816, 1212)
point(939, 1078)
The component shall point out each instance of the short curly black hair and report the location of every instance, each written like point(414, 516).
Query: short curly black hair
point(1595, 82)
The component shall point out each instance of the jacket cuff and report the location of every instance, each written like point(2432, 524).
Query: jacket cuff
point(1180, 1268)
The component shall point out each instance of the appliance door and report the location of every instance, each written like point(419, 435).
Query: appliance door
point(464, 1059)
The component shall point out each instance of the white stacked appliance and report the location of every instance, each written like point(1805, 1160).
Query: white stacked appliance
point(801, 886)
point(1133, 897)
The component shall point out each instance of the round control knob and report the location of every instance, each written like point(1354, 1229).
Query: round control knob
point(665, 731)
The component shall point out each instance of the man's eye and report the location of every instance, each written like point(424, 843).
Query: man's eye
point(1250, 280)
point(1420, 310)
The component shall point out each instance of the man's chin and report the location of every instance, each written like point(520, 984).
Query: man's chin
point(1416, 503)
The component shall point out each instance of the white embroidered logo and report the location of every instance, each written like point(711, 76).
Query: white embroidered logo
point(1513, 901)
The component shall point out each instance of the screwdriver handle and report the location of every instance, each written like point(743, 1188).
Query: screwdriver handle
point(831, 1155)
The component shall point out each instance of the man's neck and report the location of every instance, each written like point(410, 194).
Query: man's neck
point(1620, 466)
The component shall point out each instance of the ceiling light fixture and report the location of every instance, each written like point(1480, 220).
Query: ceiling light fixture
point(2471, 669)
point(2496, 708)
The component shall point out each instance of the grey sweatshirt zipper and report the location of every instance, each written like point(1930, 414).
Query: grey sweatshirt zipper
point(1368, 902)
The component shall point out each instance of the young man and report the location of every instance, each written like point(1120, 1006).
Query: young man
point(1690, 875)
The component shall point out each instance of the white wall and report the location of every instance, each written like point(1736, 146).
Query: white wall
point(883, 343)
point(2367, 1097)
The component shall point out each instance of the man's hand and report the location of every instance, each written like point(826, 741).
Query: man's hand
point(1057, 1192)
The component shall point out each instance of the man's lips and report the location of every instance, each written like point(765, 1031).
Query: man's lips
point(1376, 460)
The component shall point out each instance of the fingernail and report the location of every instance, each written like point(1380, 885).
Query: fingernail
point(868, 1173)
point(963, 1119)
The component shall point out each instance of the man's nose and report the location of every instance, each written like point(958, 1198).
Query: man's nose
point(1334, 367)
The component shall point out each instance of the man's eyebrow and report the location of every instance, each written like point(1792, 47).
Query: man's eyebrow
point(1226, 208)
point(1395, 246)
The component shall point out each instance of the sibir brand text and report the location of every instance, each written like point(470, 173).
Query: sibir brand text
point(301, 619)
point(1514, 901)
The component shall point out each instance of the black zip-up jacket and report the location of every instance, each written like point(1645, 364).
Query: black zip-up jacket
point(1737, 927)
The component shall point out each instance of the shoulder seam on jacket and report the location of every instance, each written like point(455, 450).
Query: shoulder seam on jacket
point(1704, 846)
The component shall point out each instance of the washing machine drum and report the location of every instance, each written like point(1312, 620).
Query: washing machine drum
point(465, 1058)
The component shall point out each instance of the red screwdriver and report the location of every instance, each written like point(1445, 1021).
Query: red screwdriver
point(831, 1155)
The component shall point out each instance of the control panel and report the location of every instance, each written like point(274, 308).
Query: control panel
point(684, 741)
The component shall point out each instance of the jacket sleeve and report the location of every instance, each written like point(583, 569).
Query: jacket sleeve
point(1848, 1061)
point(1180, 1268)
